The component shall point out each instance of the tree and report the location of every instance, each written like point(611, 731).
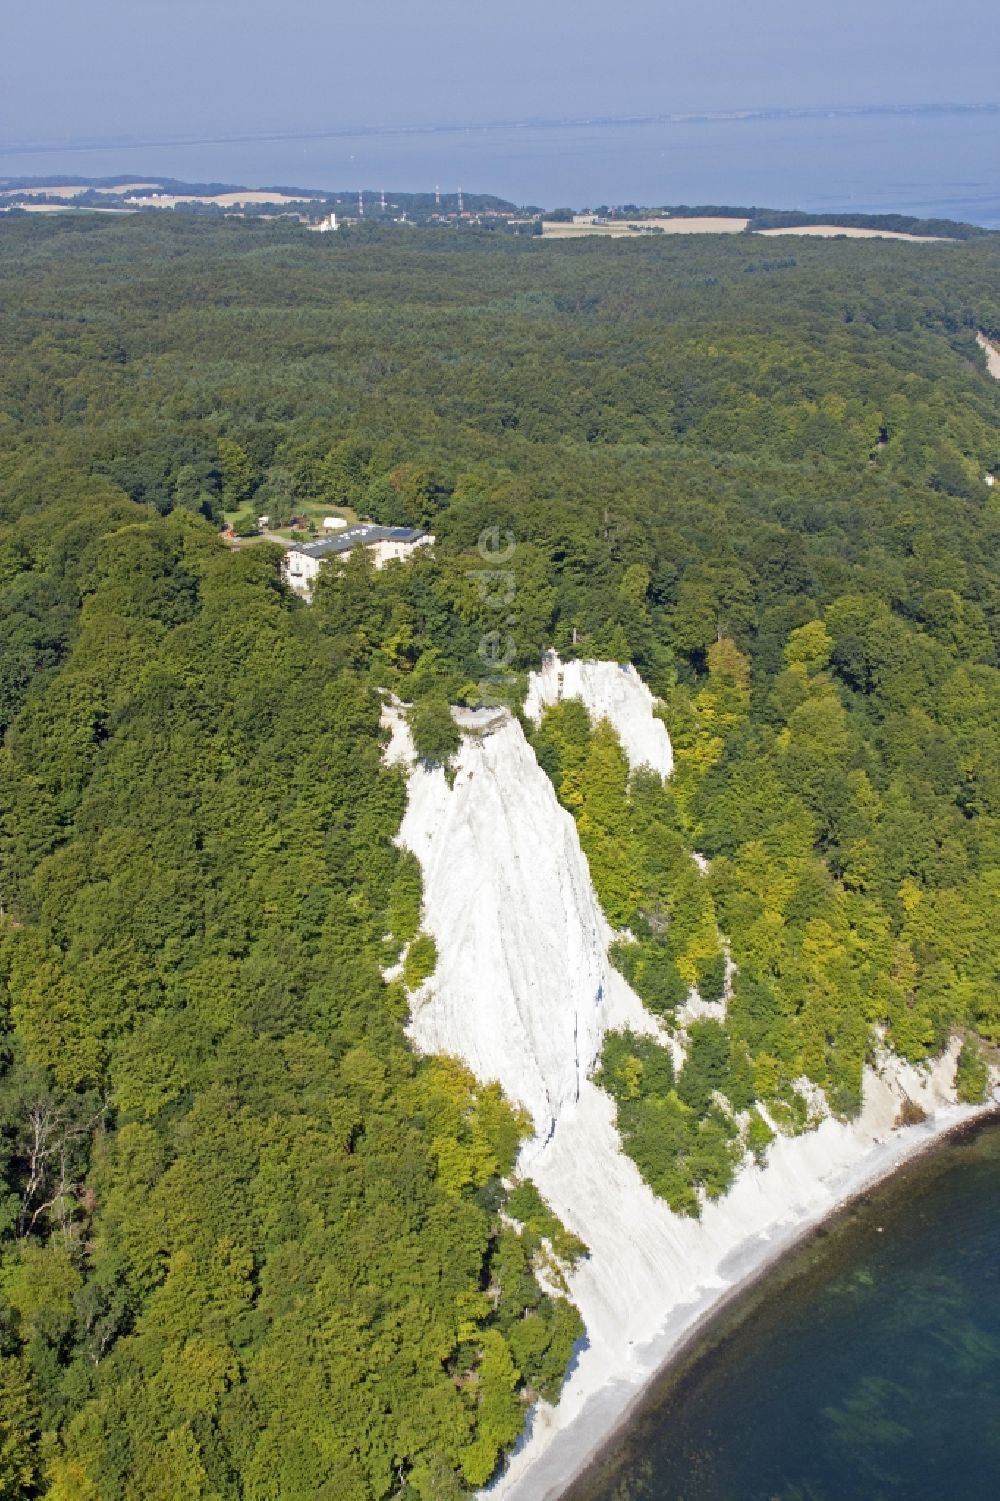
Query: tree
point(435, 733)
point(20, 1424)
point(196, 489)
point(277, 496)
point(971, 1074)
point(237, 470)
point(764, 487)
point(810, 646)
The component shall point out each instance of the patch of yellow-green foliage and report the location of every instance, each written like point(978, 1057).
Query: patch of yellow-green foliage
point(251, 1246)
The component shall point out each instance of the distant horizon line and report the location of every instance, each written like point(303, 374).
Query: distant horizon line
point(567, 122)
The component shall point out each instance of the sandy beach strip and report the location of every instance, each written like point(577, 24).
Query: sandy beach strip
point(554, 1454)
point(524, 993)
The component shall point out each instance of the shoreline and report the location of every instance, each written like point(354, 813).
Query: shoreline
point(524, 993)
point(697, 1342)
point(571, 1449)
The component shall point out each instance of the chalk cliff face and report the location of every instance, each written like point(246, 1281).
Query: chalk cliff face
point(611, 691)
point(992, 354)
point(524, 992)
point(523, 989)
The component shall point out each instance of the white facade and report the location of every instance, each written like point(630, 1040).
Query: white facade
point(301, 564)
point(300, 570)
point(385, 552)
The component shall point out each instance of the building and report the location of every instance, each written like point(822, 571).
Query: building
point(303, 560)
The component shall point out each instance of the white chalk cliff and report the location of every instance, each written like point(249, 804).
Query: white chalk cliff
point(612, 691)
point(992, 354)
point(524, 992)
point(523, 989)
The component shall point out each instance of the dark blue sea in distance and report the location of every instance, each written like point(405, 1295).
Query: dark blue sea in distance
point(865, 1368)
point(930, 162)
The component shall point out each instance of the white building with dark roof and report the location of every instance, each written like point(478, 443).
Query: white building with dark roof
point(303, 560)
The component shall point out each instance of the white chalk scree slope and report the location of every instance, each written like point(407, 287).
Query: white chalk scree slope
point(524, 992)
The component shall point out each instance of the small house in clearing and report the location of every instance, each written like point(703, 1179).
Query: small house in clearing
point(303, 560)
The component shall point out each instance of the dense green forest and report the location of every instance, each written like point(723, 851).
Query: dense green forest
point(252, 1247)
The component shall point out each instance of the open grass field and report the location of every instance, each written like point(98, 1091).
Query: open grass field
point(310, 511)
point(714, 225)
point(220, 200)
point(837, 231)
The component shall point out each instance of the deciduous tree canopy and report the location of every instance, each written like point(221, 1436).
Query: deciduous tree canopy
point(251, 1247)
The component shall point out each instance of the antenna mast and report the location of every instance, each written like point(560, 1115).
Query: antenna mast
point(361, 203)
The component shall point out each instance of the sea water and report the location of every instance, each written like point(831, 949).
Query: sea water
point(927, 163)
point(866, 1367)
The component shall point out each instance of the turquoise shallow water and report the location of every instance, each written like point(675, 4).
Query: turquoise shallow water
point(866, 1367)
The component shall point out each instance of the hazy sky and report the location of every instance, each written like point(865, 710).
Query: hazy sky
point(79, 69)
